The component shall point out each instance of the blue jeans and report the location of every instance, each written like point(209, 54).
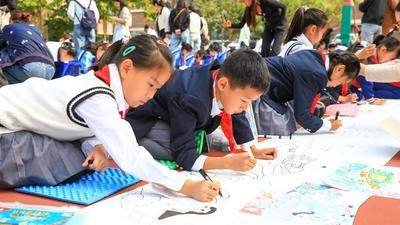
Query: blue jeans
point(83, 36)
point(176, 40)
point(18, 74)
point(370, 31)
point(195, 41)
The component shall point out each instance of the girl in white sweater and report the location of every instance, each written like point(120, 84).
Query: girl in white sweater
point(92, 107)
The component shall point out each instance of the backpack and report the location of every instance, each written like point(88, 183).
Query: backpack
point(88, 20)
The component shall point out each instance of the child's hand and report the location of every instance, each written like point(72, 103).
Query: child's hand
point(349, 98)
point(227, 24)
point(378, 101)
point(365, 52)
point(204, 191)
point(99, 159)
point(265, 153)
point(335, 124)
point(241, 162)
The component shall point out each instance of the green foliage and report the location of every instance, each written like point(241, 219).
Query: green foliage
point(58, 22)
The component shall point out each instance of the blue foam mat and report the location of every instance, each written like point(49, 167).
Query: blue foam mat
point(87, 190)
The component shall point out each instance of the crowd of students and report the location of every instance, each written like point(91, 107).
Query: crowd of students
point(140, 99)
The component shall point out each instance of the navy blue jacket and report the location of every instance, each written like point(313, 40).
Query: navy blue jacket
point(299, 77)
point(21, 41)
point(185, 103)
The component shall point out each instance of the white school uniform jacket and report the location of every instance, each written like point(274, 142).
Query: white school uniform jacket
point(297, 44)
point(83, 107)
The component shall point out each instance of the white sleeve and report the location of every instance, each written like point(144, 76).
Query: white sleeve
point(246, 146)
point(199, 163)
point(71, 10)
point(326, 126)
point(127, 17)
point(166, 14)
point(386, 72)
point(88, 144)
point(101, 116)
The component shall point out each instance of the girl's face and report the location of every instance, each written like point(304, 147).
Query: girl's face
point(315, 33)
point(116, 4)
point(140, 85)
point(338, 77)
point(384, 55)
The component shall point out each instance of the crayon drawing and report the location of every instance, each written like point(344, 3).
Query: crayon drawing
point(382, 181)
point(306, 204)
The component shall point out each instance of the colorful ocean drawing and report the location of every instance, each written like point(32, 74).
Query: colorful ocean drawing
point(382, 181)
point(306, 204)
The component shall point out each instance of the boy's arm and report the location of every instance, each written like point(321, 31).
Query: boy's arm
point(244, 137)
point(184, 113)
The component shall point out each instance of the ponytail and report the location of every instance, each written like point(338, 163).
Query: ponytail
point(251, 14)
point(20, 17)
point(303, 18)
point(349, 60)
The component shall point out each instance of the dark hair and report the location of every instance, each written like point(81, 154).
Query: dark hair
point(66, 36)
point(20, 17)
point(355, 47)
point(181, 4)
point(246, 68)
point(347, 59)
point(215, 47)
point(146, 26)
point(201, 53)
point(122, 4)
point(145, 51)
point(391, 43)
point(303, 18)
point(158, 2)
point(332, 45)
point(187, 47)
point(68, 45)
point(251, 14)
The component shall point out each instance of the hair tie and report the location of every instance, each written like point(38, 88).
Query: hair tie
point(129, 50)
point(305, 8)
point(160, 42)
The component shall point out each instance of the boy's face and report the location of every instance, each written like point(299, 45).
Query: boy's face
point(140, 85)
point(235, 100)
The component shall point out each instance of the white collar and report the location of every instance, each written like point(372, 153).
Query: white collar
point(216, 105)
point(327, 62)
point(116, 86)
point(303, 39)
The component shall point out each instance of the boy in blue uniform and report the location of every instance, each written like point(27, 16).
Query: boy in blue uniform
point(193, 100)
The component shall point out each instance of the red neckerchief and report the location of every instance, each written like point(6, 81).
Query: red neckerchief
point(226, 123)
point(104, 75)
point(345, 90)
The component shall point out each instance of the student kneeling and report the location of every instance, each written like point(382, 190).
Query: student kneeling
point(193, 100)
point(301, 77)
